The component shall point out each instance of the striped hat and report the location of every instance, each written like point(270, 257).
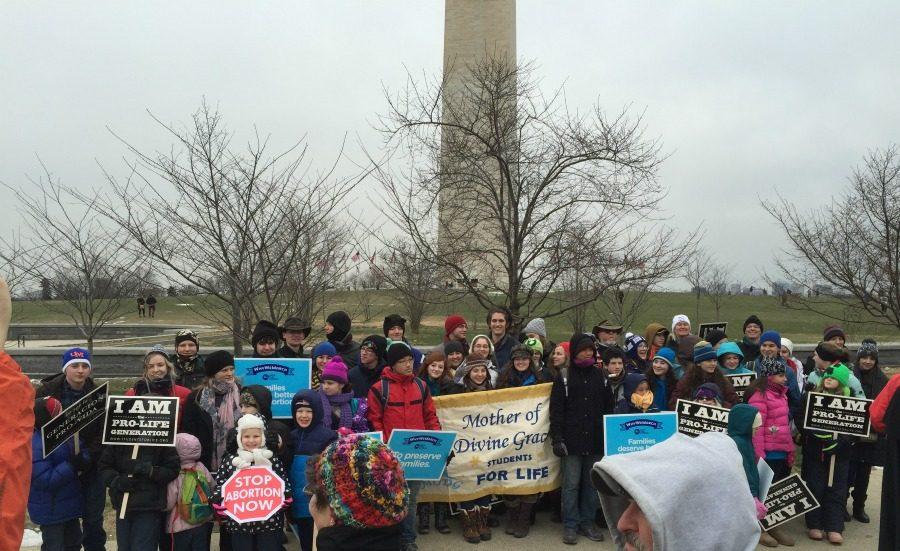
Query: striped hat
point(364, 482)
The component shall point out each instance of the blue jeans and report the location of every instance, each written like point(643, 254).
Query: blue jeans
point(138, 531)
point(579, 498)
point(94, 536)
point(408, 526)
point(64, 536)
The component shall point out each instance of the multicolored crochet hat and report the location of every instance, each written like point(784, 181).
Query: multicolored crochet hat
point(364, 482)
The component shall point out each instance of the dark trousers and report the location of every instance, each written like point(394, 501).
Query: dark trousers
point(138, 531)
point(195, 539)
point(93, 536)
point(64, 536)
point(579, 498)
point(780, 467)
point(830, 515)
point(859, 477)
point(261, 541)
point(304, 527)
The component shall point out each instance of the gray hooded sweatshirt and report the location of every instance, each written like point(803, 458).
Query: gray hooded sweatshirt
point(693, 492)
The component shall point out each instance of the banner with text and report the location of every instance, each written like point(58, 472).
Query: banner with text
point(74, 418)
point(741, 383)
point(502, 445)
point(282, 376)
point(841, 414)
point(634, 432)
point(694, 419)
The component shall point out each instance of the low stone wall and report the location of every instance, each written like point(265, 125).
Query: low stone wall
point(49, 331)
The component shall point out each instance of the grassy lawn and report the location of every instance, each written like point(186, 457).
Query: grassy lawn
point(368, 308)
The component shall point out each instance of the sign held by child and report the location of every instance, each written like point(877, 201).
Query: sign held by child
point(840, 414)
point(73, 419)
point(694, 418)
point(253, 494)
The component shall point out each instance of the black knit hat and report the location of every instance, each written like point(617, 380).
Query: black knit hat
point(340, 320)
point(265, 329)
point(186, 335)
point(581, 341)
point(377, 343)
point(394, 320)
point(454, 346)
point(772, 366)
point(829, 352)
point(868, 349)
point(396, 352)
point(753, 319)
point(217, 361)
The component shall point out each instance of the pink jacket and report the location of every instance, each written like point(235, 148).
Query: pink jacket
point(174, 522)
point(775, 432)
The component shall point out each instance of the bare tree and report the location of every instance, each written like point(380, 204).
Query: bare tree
point(850, 247)
point(695, 271)
point(412, 278)
point(716, 284)
point(85, 266)
point(253, 230)
point(512, 171)
point(16, 278)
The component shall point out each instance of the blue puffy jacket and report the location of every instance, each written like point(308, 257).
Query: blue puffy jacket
point(307, 442)
point(55, 491)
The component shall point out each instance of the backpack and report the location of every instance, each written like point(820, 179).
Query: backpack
point(386, 387)
point(193, 502)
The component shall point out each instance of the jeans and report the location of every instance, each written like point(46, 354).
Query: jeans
point(613, 507)
point(260, 541)
point(94, 536)
point(408, 525)
point(138, 531)
point(579, 498)
point(64, 536)
point(195, 539)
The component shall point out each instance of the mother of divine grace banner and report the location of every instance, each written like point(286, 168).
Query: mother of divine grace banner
point(502, 445)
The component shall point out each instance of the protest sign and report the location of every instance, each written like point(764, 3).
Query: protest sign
point(840, 414)
point(788, 499)
point(74, 418)
point(282, 376)
point(502, 445)
point(741, 383)
point(377, 435)
point(705, 328)
point(140, 420)
point(634, 432)
point(695, 419)
point(253, 494)
point(423, 453)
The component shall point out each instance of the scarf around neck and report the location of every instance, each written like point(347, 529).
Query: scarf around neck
point(223, 417)
point(338, 400)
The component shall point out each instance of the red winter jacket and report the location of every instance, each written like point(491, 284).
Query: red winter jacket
point(881, 403)
point(15, 453)
point(406, 408)
point(775, 432)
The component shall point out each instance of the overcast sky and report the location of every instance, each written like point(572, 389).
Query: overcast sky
point(748, 99)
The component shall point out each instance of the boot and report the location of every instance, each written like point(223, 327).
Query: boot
point(484, 531)
point(781, 537)
point(512, 518)
point(766, 540)
point(440, 518)
point(423, 511)
point(859, 513)
point(524, 524)
point(469, 519)
point(835, 538)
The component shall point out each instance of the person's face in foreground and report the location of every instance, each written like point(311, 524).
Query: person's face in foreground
point(636, 529)
point(404, 366)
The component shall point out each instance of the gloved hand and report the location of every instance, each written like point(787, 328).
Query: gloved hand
point(219, 511)
point(142, 468)
point(81, 462)
point(123, 483)
point(560, 449)
point(761, 509)
point(287, 503)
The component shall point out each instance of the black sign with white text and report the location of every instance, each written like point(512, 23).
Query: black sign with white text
point(705, 328)
point(140, 420)
point(694, 419)
point(741, 383)
point(74, 418)
point(841, 414)
point(788, 499)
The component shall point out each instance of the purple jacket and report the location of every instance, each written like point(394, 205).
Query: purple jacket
point(775, 432)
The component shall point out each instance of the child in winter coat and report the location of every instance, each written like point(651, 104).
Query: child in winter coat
point(252, 451)
point(637, 398)
point(708, 394)
point(188, 523)
point(310, 436)
point(705, 370)
point(475, 512)
point(341, 409)
point(536, 347)
point(614, 368)
point(818, 450)
point(661, 378)
point(731, 359)
point(744, 422)
point(773, 442)
point(145, 480)
point(55, 502)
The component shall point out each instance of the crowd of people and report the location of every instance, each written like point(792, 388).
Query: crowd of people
point(352, 487)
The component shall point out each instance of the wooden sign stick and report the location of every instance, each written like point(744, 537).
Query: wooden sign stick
point(134, 454)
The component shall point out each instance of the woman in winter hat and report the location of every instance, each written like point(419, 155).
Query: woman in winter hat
point(213, 409)
point(661, 378)
point(867, 452)
point(265, 339)
point(636, 352)
point(706, 370)
point(474, 512)
point(350, 520)
point(158, 378)
point(187, 359)
point(184, 535)
point(482, 350)
point(321, 355)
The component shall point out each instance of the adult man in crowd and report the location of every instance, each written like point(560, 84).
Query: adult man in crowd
point(151, 305)
point(456, 329)
point(15, 434)
point(749, 345)
point(370, 366)
point(686, 508)
point(394, 327)
point(294, 333)
point(68, 387)
point(337, 331)
point(187, 360)
point(607, 333)
point(499, 320)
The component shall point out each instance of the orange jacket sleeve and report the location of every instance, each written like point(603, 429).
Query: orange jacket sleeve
point(881, 403)
point(15, 453)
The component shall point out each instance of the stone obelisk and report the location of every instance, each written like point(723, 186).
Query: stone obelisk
point(475, 31)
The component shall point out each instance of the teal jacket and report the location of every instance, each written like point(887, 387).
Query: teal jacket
point(731, 348)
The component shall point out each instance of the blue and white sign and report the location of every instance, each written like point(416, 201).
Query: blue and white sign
point(423, 453)
point(282, 376)
point(377, 435)
point(634, 432)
